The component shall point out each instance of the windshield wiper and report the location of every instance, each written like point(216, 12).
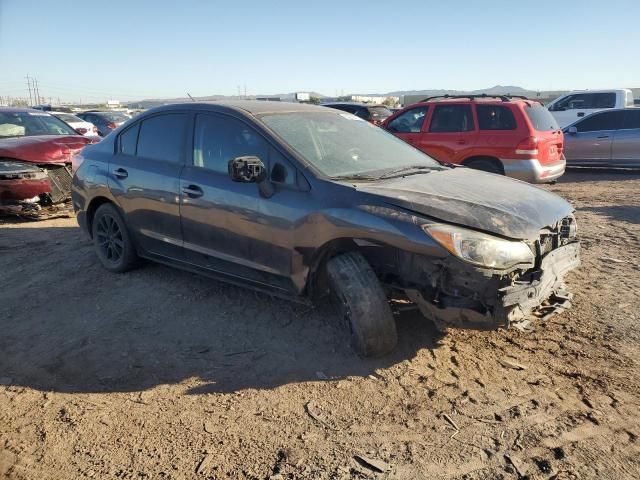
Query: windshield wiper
point(408, 170)
point(354, 176)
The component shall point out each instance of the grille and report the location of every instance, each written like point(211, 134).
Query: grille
point(60, 179)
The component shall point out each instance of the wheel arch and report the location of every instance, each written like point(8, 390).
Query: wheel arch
point(93, 206)
point(487, 158)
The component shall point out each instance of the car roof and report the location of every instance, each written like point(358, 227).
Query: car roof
point(608, 90)
point(20, 110)
point(252, 107)
point(353, 104)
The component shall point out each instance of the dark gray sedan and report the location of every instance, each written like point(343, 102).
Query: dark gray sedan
point(302, 201)
point(610, 138)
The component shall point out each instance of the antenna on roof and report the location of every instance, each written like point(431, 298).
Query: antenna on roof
point(189, 95)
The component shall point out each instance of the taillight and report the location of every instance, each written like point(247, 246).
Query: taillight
point(81, 130)
point(95, 129)
point(528, 146)
point(111, 126)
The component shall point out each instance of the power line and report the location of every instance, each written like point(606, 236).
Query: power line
point(29, 87)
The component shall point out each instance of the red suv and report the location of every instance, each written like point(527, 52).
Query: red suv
point(513, 136)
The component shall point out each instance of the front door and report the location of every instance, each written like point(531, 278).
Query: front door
point(144, 177)
point(592, 142)
point(227, 226)
point(451, 134)
point(408, 125)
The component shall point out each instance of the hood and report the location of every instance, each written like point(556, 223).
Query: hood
point(462, 196)
point(43, 148)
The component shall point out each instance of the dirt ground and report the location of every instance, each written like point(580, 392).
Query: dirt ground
point(163, 374)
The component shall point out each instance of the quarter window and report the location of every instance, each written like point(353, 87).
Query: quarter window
point(495, 117)
point(410, 121)
point(162, 137)
point(601, 121)
point(129, 139)
point(452, 118)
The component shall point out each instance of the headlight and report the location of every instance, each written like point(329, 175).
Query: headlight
point(479, 248)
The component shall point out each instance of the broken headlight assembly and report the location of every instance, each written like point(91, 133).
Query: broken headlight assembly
point(480, 248)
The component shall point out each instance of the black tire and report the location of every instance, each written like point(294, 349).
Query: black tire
point(363, 303)
point(486, 165)
point(112, 241)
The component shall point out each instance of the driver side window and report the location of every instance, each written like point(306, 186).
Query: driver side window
point(220, 138)
point(410, 121)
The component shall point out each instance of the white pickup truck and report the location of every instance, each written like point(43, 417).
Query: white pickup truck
point(574, 105)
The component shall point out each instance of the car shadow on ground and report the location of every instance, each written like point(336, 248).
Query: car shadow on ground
point(68, 325)
point(584, 174)
point(622, 213)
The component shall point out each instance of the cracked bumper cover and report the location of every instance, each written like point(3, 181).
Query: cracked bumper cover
point(539, 296)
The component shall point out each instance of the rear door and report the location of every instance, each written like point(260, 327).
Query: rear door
point(626, 141)
point(451, 133)
point(593, 141)
point(144, 177)
point(408, 125)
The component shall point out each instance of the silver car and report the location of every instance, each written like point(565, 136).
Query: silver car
point(609, 138)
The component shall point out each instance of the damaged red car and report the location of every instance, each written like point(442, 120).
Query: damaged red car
point(35, 160)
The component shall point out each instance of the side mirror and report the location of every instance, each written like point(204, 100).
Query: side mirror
point(250, 169)
point(572, 130)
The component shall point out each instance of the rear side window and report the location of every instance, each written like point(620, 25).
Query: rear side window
point(601, 121)
point(540, 118)
point(129, 139)
point(452, 118)
point(495, 117)
point(409, 122)
point(632, 119)
point(162, 137)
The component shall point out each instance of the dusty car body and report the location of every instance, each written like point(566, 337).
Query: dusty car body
point(300, 201)
point(35, 160)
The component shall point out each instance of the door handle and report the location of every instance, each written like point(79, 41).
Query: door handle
point(581, 114)
point(193, 191)
point(603, 136)
point(120, 173)
point(461, 142)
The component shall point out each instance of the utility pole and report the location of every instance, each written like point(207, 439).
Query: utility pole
point(37, 92)
point(29, 87)
point(245, 91)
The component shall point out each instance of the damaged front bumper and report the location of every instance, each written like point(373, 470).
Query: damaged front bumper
point(26, 188)
point(513, 300)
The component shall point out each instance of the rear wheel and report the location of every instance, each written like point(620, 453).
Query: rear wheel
point(363, 304)
point(112, 241)
point(486, 165)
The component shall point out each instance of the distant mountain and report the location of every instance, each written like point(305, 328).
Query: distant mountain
point(495, 90)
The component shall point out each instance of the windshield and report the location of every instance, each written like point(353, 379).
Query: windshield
point(26, 124)
point(115, 117)
point(343, 145)
point(67, 117)
point(379, 113)
point(540, 118)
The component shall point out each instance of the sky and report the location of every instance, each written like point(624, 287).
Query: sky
point(135, 49)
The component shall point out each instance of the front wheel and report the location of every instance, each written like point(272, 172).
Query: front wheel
point(111, 240)
point(363, 303)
